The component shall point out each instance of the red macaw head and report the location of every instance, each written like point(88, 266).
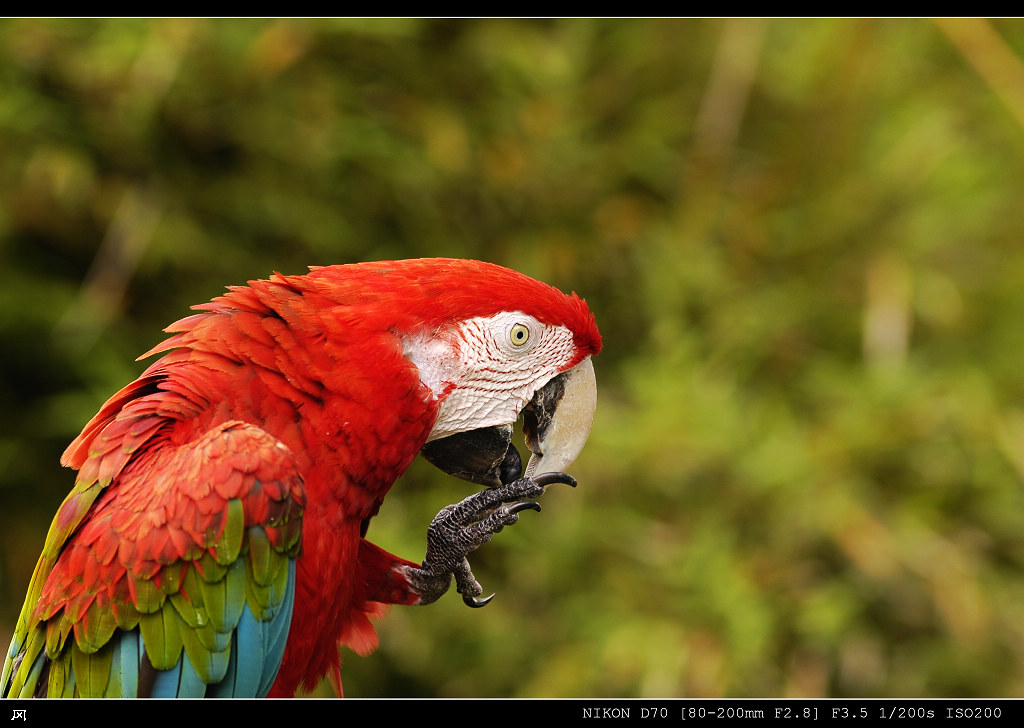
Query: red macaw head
point(487, 371)
point(492, 345)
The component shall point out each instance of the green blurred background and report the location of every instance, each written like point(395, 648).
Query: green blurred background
point(804, 244)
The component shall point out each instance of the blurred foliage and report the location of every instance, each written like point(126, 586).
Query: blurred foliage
point(803, 242)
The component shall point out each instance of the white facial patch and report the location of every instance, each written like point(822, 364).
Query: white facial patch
point(486, 369)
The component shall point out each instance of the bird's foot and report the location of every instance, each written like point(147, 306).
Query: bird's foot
point(460, 528)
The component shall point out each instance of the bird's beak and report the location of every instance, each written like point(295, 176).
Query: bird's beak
point(556, 423)
point(485, 456)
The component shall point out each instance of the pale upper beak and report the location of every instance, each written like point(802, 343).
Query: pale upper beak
point(557, 421)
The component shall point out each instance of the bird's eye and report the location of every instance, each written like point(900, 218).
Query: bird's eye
point(519, 334)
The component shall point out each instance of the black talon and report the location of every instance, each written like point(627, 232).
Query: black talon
point(524, 505)
point(546, 479)
point(477, 602)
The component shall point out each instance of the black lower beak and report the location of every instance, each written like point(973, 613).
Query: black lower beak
point(485, 456)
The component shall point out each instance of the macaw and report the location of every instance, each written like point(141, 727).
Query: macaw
point(214, 543)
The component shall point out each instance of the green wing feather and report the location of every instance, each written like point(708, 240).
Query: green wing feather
point(174, 576)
